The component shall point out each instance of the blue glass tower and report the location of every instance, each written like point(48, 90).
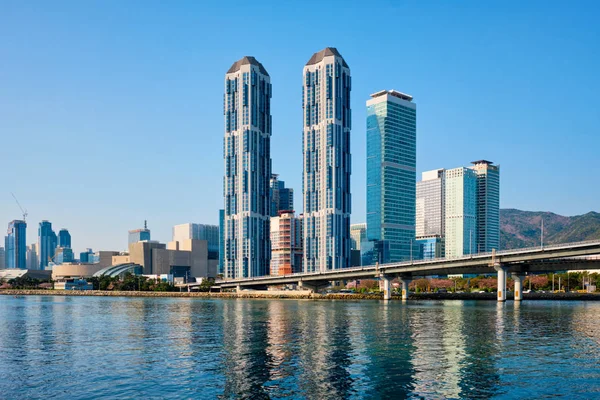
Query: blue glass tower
point(391, 176)
point(15, 245)
point(47, 241)
point(247, 159)
point(282, 198)
point(221, 241)
point(64, 239)
point(327, 161)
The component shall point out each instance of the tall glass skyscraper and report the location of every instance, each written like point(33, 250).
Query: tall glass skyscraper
point(488, 205)
point(47, 242)
point(247, 157)
point(327, 161)
point(64, 239)
point(282, 198)
point(391, 175)
point(461, 212)
point(15, 245)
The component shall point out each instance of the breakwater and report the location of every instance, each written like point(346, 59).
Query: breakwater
point(297, 295)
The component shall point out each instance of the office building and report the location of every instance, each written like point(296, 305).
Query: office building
point(47, 242)
point(64, 239)
point(430, 214)
point(431, 247)
point(282, 198)
point(86, 256)
point(64, 255)
point(16, 249)
point(247, 159)
point(2, 257)
point(286, 244)
point(139, 235)
point(221, 242)
point(358, 235)
point(33, 261)
point(210, 233)
point(461, 212)
point(391, 175)
point(327, 161)
point(488, 205)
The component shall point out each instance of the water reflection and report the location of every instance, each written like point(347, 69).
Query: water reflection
point(193, 348)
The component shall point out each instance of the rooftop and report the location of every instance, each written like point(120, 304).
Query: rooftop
point(482, 162)
point(394, 93)
point(326, 52)
point(247, 60)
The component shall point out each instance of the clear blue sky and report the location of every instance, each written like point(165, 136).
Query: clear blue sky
point(111, 111)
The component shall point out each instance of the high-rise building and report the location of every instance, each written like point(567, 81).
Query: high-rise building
point(191, 231)
point(327, 161)
point(461, 212)
point(86, 257)
point(430, 203)
point(64, 255)
point(47, 242)
point(358, 235)
point(488, 205)
point(16, 249)
point(220, 266)
point(64, 238)
point(391, 175)
point(2, 257)
point(282, 198)
point(247, 159)
point(286, 244)
point(139, 235)
point(33, 261)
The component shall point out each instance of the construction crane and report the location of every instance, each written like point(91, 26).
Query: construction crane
point(19, 204)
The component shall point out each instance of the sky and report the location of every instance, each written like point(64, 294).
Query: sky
point(111, 112)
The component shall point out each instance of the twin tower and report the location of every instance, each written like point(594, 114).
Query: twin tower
point(327, 164)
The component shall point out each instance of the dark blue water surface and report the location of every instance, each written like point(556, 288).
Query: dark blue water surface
point(90, 347)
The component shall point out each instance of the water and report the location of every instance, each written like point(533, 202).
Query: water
point(90, 347)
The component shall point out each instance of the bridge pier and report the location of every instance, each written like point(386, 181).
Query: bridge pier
point(501, 282)
point(387, 287)
point(238, 289)
point(405, 282)
point(518, 278)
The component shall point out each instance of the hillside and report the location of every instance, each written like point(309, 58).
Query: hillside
point(522, 228)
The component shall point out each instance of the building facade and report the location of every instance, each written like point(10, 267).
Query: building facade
point(327, 161)
point(286, 244)
point(247, 159)
point(488, 205)
point(32, 257)
point(282, 198)
point(86, 256)
point(47, 242)
point(189, 231)
point(220, 266)
point(139, 235)
point(3, 257)
point(461, 212)
point(15, 247)
point(64, 239)
point(358, 235)
point(391, 175)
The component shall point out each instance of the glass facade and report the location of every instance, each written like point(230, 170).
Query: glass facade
point(247, 162)
point(15, 245)
point(210, 233)
point(282, 198)
point(221, 242)
point(138, 235)
point(47, 242)
point(86, 256)
point(64, 238)
point(326, 161)
point(431, 247)
point(391, 176)
point(488, 205)
point(461, 212)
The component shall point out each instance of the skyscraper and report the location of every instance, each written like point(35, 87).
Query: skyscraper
point(488, 205)
point(86, 257)
point(327, 161)
point(2, 257)
point(461, 212)
point(139, 235)
point(64, 238)
point(391, 174)
point(430, 213)
point(47, 242)
point(16, 249)
point(221, 266)
point(32, 257)
point(210, 233)
point(282, 198)
point(358, 235)
point(247, 159)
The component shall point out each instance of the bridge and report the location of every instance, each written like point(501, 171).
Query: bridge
point(517, 263)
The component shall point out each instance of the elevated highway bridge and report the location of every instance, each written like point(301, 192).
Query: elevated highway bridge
point(518, 263)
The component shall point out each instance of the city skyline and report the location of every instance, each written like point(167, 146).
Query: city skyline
point(457, 95)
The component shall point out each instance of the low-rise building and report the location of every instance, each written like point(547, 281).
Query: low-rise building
point(74, 270)
point(73, 284)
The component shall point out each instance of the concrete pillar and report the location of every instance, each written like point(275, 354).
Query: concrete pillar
point(501, 282)
point(405, 282)
point(387, 287)
point(238, 289)
point(518, 278)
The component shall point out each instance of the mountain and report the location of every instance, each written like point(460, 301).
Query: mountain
point(522, 228)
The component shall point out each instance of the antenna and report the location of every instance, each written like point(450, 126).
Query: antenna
point(19, 204)
point(145, 224)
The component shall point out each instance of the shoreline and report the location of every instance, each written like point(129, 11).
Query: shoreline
point(299, 295)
